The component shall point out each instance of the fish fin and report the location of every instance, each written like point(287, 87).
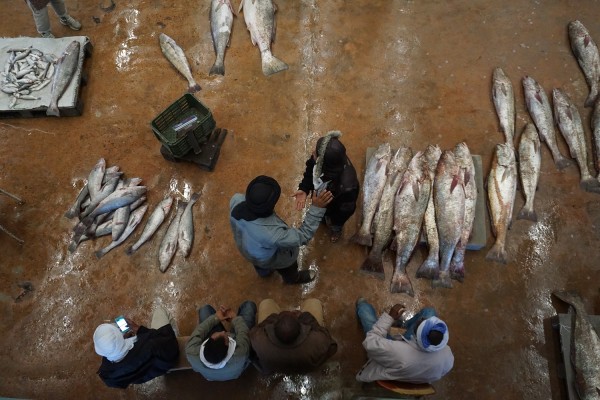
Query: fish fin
point(365, 240)
point(100, 253)
point(194, 87)
point(217, 69)
point(538, 97)
point(455, 180)
point(53, 110)
point(467, 176)
point(562, 163)
point(505, 174)
point(527, 214)
point(401, 283)
point(457, 270)
point(271, 64)
point(497, 253)
point(591, 99)
point(443, 281)
point(429, 269)
point(129, 251)
point(373, 265)
point(590, 185)
point(415, 189)
point(586, 40)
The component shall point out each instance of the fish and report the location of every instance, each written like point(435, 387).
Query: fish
point(586, 52)
point(76, 207)
point(117, 199)
point(504, 101)
point(65, 69)
point(410, 203)
point(501, 188)
point(185, 238)
point(221, 22)
point(176, 56)
point(530, 160)
point(541, 114)
point(570, 125)
point(121, 218)
point(156, 219)
point(374, 182)
point(134, 221)
point(95, 178)
point(260, 21)
point(383, 220)
point(107, 189)
point(449, 203)
point(431, 264)
point(595, 123)
point(585, 348)
point(463, 158)
point(168, 245)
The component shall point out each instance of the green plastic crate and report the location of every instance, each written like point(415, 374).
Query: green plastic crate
point(181, 142)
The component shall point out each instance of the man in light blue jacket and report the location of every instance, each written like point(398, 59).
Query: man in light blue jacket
point(266, 240)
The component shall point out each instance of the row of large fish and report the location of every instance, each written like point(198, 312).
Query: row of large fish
point(110, 205)
point(433, 192)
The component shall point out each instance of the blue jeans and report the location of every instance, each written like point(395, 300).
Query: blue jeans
point(247, 311)
point(411, 324)
point(366, 315)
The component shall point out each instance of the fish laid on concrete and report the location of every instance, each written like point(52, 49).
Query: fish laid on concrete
point(571, 127)
point(383, 220)
point(530, 160)
point(504, 101)
point(121, 217)
point(430, 267)
point(260, 21)
point(373, 184)
point(95, 178)
point(76, 207)
point(449, 202)
point(156, 219)
point(595, 122)
point(501, 188)
point(176, 56)
point(134, 221)
point(65, 69)
point(168, 245)
point(117, 199)
point(185, 237)
point(463, 158)
point(586, 52)
point(410, 204)
point(585, 349)
point(221, 21)
point(541, 114)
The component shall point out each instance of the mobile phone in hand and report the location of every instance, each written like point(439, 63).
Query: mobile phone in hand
point(122, 323)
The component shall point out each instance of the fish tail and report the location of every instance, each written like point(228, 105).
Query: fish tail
point(218, 68)
point(73, 246)
point(362, 239)
point(429, 269)
point(401, 284)
point(373, 265)
point(442, 281)
point(497, 253)
point(561, 162)
point(194, 87)
point(70, 214)
point(271, 64)
point(591, 99)
point(100, 253)
point(457, 270)
point(528, 213)
point(590, 185)
point(130, 250)
point(53, 110)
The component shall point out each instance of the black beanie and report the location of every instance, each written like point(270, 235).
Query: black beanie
point(261, 195)
point(215, 350)
point(334, 158)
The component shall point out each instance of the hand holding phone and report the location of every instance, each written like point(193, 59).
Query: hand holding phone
point(122, 324)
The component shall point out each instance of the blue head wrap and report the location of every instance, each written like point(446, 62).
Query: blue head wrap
point(432, 324)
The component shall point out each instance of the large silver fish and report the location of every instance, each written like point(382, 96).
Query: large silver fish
point(541, 114)
point(530, 160)
point(185, 237)
point(176, 56)
point(260, 21)
point(430, 267)
point(168, 245)
point(156, 219)
point(504, 101)
point(134, 221)
point(373, 184)
point(221, 21)
point(586, 52)
point(409, 207)
point(595, 122)
point(467, 168)
point(571, 127)
point(585, 349)
point(501, 188)
point(64, 71)
point(95, 178)
point(383, 220)
point(449, 202)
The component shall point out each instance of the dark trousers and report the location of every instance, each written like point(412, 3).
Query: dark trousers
point(289, 274)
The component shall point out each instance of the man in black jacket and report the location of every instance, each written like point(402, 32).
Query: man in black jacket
point(139, 355)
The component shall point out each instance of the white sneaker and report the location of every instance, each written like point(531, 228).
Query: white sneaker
point(70, 22)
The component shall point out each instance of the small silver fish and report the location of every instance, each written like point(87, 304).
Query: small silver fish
point(176, 56)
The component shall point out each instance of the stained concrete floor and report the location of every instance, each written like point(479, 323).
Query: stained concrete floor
point(407, 72)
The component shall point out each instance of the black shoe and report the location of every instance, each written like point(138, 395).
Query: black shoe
point(305, 276)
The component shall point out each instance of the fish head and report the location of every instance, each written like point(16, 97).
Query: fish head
point(401, 159)
point(383, 151)
point(461, 151)
point(505, 154)
point(447, 163)
point(432, 156)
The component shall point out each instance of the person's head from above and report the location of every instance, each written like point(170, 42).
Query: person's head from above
point(432, 334)
point(287, 328)
point(262, 194)
point(110, 343)
point(334, 154)
point(216, 347)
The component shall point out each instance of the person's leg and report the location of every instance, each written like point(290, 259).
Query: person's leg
point(291, 274)
point(161, 317)
point(263, 272)
point(366, 315)
point(315, 308)
point(41, 19)
point(59, 7)
point(411, 324)
point(206, 311)
point(266, 308)
point(64, 17)
point(248, 313)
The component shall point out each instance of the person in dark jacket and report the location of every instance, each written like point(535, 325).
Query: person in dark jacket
point(138, 356)
point(330, 168)
point(39, 9)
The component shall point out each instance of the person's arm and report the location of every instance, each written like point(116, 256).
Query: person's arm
point(306, 185)
point(200, 334)
point(381, 349)
point(242, 339)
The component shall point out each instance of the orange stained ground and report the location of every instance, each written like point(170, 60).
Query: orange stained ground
point(407, 72)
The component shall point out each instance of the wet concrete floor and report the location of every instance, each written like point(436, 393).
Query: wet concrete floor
point(407, 72)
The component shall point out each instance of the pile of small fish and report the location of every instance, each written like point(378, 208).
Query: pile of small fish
point(111, 205)
point(27, 70)
point(502, 180)
point(403, 192)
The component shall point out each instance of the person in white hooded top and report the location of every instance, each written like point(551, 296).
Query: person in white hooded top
point(420, 355)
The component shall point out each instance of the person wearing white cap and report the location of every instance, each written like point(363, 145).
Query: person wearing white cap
point(421, 355)
point(139, 355)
